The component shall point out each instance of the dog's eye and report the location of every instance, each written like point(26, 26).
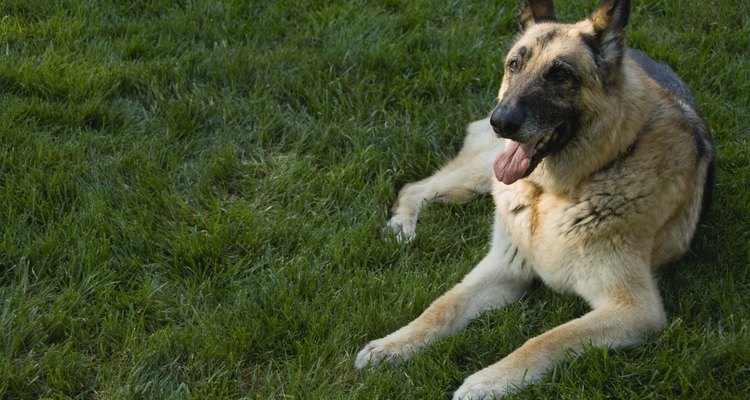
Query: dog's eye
point(559, 73)
point(513, 66)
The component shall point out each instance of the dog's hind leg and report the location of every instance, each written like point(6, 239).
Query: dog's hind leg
point(458, 181)
point(500, 278)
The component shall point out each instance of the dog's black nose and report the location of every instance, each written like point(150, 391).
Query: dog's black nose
point(506, 120)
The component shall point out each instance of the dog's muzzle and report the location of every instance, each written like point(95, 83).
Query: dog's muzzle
point(506, 120)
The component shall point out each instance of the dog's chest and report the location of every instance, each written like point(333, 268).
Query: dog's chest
point(552, 231)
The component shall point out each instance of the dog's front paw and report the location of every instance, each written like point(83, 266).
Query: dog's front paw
point(384, 349)
point(482, 386)
point(403, 227)
point(478, 391)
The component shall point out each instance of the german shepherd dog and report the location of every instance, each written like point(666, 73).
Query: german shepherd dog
point(599, 164)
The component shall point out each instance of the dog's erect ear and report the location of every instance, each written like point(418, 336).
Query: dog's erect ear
point(611, 15)
point(609, 21)
point(535, 11)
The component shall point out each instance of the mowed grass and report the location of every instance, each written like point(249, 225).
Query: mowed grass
point(193, 195)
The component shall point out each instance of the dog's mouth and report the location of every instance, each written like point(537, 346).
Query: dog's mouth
point(519, 160)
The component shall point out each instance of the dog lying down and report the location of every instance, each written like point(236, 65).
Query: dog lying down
point(599, 164)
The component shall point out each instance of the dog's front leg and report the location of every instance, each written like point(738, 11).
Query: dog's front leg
point(500, 278)
point(621, 319)
point(458, 181)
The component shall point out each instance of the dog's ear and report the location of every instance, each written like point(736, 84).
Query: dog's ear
point(535, 11)
point(609, 21)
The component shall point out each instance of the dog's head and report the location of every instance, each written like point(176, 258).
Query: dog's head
point(553, 74)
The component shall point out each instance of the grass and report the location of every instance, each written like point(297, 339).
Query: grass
point(193, 195)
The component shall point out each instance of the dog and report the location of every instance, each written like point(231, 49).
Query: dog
point(599, 164)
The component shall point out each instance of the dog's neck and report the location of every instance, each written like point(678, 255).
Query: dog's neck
point(600, 140)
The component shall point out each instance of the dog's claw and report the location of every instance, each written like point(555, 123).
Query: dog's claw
point(382, 350)
point(479, 390)
point(403, 230)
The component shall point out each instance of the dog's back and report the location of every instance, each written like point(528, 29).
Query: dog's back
point(664, 75)
point(668, 79)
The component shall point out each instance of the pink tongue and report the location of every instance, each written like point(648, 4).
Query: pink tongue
point(512, 163)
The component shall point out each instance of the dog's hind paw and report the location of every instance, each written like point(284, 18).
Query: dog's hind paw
point(402, 228)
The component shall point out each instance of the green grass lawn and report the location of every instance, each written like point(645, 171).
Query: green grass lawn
point(193, 195)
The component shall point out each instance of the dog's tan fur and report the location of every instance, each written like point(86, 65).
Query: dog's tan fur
point(595, 219)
